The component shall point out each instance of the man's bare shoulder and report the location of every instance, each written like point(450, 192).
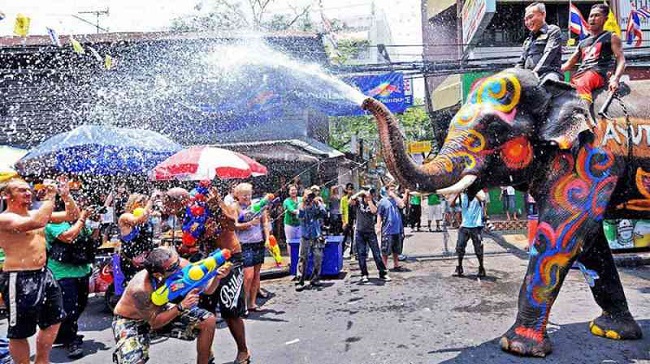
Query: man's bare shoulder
point(9, 217)
point(136, 300)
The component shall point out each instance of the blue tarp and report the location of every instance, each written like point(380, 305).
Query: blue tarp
point(265, 94)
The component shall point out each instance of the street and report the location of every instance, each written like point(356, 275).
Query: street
point(422, 316)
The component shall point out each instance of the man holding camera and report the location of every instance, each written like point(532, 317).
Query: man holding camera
point(365, 236)
point(71, 251)
point(32, 294)
point(310, 210)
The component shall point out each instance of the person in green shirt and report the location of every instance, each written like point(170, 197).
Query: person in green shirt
point(415, 210)
point(291, 222)
point(70, 250)
point(434, 211)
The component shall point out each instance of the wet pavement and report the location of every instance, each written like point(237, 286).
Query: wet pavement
point(422, 316)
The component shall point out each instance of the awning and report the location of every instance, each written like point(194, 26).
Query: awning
point(435, 7)
point(448, 93)
point(291, 150)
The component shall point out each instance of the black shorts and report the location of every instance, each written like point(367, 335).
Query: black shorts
point(230, 293)
point(391, 244)
point(32, 298)
point(253, 253)
point(464, 234)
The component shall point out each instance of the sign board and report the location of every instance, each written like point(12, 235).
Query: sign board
point(475, 16)
point(419, 147)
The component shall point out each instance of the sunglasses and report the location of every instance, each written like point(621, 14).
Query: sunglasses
point(174, 267)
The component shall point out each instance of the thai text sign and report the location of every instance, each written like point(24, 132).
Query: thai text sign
point(419, 147)
point(475, 16)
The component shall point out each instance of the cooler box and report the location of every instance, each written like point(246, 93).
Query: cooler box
point(332, 257)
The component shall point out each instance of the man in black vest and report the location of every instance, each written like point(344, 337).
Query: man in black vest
point(598, 54)
point(542, 52)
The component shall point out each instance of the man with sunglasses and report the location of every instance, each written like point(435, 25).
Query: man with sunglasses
point(136, 317)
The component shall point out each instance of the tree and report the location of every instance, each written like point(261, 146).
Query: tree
point(348, 49)
point(213, 15)
point(414, 122)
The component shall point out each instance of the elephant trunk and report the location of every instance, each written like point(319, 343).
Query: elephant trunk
point(431, 177)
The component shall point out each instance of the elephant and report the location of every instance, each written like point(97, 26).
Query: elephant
point(543, 139)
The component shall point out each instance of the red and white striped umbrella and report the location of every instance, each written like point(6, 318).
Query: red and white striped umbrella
point(204, 162)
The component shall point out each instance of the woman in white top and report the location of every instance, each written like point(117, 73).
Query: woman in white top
point(252, 231)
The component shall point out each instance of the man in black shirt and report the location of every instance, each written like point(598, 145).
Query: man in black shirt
point(542, 51)
point(598, 54)
point(365, 235)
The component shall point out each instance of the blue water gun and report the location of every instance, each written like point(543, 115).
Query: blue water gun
point(195, 275)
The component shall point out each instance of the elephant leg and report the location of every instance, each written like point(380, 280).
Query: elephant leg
point(615, 322)
point(545, 274)
point(573, 209)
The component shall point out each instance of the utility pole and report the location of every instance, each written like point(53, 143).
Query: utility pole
point(97, 14)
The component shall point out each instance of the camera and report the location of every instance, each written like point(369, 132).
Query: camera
point(310, 197)
point(99, 210)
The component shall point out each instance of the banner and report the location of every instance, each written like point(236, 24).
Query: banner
point(391, 89)
point(264, 94)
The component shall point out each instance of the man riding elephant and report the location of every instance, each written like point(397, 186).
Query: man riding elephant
point(513, 131)
point(598, 54)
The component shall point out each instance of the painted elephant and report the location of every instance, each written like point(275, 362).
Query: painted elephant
point(541, 138)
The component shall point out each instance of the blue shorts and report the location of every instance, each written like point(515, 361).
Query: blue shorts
point(253, 253)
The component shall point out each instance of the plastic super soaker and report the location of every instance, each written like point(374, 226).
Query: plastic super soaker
point(137, 212)
point(274, 249)
point(259, 205)
point(195, 275)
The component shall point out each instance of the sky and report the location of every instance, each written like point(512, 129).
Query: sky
point(403, 17)
point(152, 15)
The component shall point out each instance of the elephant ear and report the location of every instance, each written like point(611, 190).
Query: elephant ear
point(567, 115)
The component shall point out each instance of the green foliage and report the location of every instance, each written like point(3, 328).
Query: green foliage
point(215, 15)
point(348, 49)
point(414, 122)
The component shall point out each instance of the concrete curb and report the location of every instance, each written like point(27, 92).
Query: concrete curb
point(632, 259)
point(275, 272)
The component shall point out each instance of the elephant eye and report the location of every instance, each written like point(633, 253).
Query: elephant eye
point(496, 131)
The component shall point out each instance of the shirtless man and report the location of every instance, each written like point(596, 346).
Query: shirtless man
point(220, 233)
point(24, 274)
point(136, 316)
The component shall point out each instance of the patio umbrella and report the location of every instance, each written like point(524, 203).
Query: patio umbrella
point(99, 150)
point(206, 162)
point(9, 156)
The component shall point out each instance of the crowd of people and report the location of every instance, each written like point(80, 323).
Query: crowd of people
point(50, 243)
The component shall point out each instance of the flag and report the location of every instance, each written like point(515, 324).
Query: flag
point(54, 38)
point(77, 46)
point(108, 62)
point(611, 25)
point(634, 28)
point(95, 54)
point(644, 13)
point(577, 24)
point(21, 28)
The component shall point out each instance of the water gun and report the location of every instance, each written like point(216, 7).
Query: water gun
point(195, 275)
point(274, 249)
point(269, 198)
point(257, 208)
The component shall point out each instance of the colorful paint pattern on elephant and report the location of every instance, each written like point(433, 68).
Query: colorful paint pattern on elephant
point(642, 181)
point(497, 95)
point(580, 196)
